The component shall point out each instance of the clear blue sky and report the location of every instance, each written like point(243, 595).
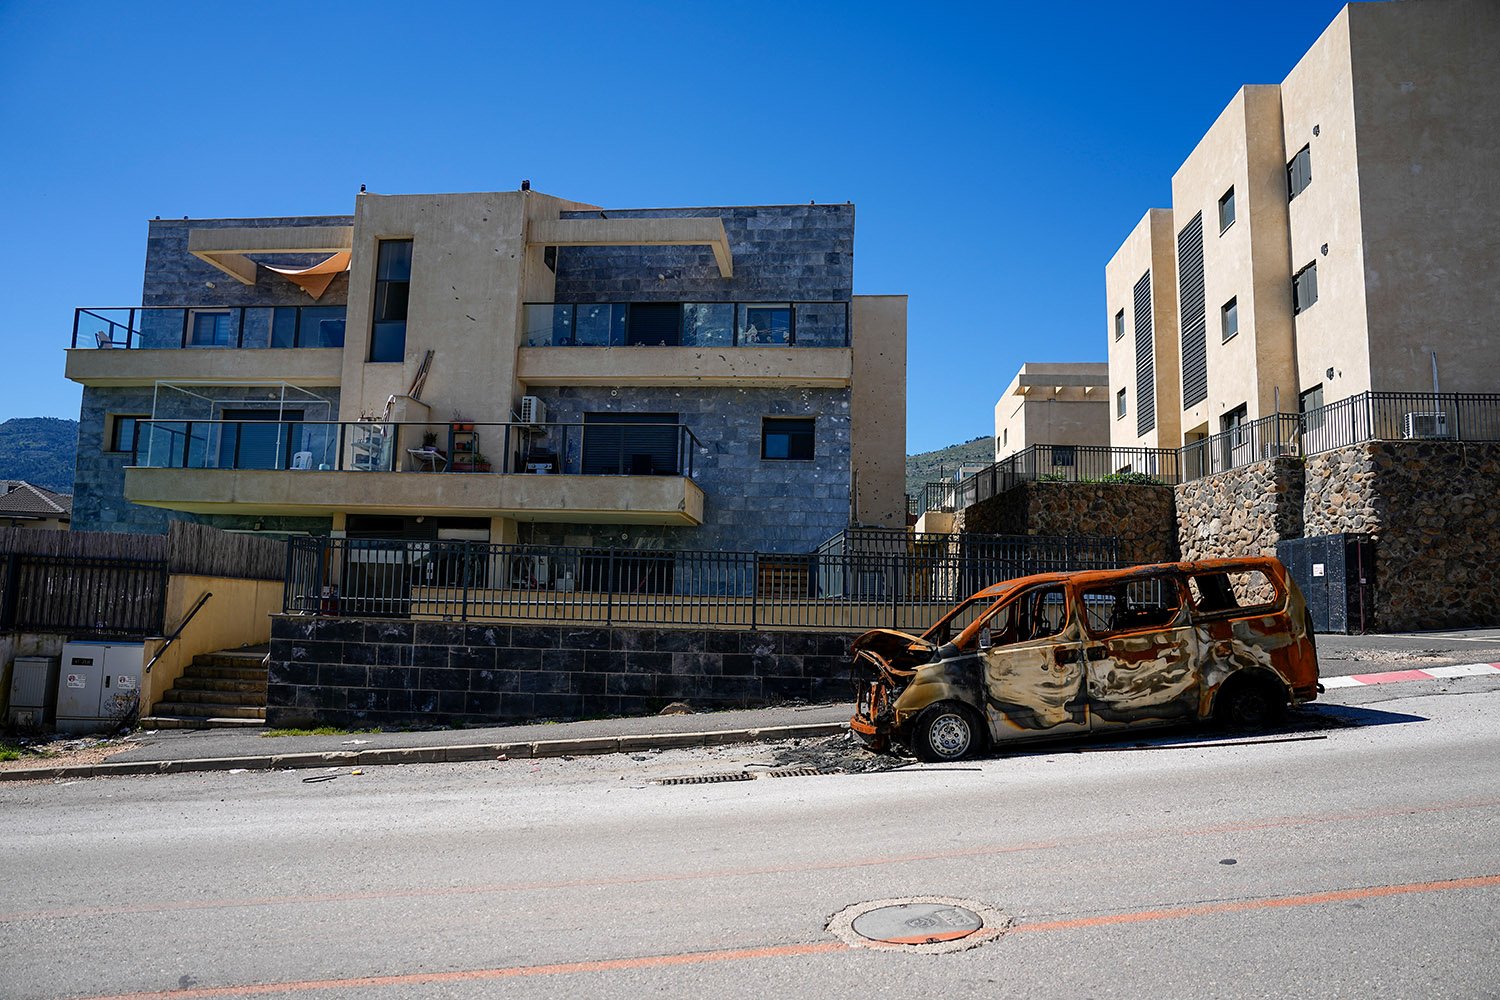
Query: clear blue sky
point(997, 154)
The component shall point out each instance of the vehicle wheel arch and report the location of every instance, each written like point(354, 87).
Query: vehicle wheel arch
point(1246, 680)
point(933, 735)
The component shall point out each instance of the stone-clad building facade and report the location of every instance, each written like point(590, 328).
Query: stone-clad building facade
point(680, 378)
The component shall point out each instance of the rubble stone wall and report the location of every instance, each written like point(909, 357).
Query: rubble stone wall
point(342, 672)
point(1140, 516)
point(1433, 510)
point(1241, 512)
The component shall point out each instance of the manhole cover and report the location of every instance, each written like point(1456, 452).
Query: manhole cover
point(917, 923)
point(924, 924)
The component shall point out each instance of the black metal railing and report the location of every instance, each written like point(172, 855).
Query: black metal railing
point(686, 324)
point(469, 581)
point(590, 448)
point(167, 327)
point(78, 595)
point(1368, 416)
point(1401, 416)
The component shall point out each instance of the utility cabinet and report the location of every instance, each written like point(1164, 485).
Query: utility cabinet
point(33, 692)
point(1336, 574)
point(98, 684)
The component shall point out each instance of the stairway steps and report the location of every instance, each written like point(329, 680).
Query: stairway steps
point(198, 722)
point(253, 687)
point(225, 673)
point(169, 706)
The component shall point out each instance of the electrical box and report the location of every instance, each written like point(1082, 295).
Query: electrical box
point(33, 691)
point(98, 684)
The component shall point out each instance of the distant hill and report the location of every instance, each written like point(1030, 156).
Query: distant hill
point(931, 466)
point(39, 450)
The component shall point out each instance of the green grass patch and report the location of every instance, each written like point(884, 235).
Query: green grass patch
point(9, 751)
point(319, 731)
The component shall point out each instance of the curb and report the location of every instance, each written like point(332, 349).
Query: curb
point(587, 746)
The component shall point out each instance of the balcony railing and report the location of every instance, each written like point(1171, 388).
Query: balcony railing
point(686, 324)
point(1368, 416)
point(166, 327)
point(478, 581)
point(596, 449)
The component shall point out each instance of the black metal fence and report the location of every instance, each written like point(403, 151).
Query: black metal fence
point(469, 581)
point(105, 597)
point(1368, 416)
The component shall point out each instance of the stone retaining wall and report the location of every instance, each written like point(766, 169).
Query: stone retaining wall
point(1241, 512)
point(1433, 510)
point(345, 672)
point(1139, 516)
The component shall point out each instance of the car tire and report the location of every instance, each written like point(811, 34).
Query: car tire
point(947, 731)
point(1250, 703)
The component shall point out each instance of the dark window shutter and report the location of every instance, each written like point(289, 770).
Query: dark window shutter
point(615, 444)
point(1194, 317)
point(1145, 358)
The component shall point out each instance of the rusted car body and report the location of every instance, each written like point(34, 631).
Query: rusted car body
point(1064, 654)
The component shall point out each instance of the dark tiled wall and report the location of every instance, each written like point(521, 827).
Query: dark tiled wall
point(397, 673)
point(781, 253)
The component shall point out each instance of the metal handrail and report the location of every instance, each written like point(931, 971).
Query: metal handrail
point(202, 600)
point(127, 334)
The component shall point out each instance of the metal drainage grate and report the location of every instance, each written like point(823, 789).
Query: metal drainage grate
point(707, 779)
point(792, 772)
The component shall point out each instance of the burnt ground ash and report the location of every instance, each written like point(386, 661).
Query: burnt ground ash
point(842, 754)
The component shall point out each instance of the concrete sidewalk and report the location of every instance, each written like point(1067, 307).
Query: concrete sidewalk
point(176, 750)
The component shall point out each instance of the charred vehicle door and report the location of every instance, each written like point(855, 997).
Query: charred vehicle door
point(1140, 652)
point(1033, 668)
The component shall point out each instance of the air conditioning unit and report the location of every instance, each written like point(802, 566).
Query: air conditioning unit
point(1272, 449)
point(1425, 425)
point(533, 410)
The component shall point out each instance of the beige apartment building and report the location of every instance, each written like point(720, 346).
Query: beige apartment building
point(1053, 403)
point(1333, 234)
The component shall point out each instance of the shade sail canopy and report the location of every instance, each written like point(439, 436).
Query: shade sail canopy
point(314, 280)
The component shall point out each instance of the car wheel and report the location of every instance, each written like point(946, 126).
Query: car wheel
point(946, 731)
point(1251, 704)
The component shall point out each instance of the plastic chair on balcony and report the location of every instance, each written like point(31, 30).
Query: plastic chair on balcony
point(104, 340)
point(302, 460)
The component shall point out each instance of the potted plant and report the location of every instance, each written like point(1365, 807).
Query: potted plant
point(480, 463)
point(461, 423)
point(429, 441)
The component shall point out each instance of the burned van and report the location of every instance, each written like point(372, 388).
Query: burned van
point(1068, 654)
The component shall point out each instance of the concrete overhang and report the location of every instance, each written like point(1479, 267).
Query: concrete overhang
point(665, 500)
point(227, 249)
point(747, 367)
point(707, 232)
point(304, 366)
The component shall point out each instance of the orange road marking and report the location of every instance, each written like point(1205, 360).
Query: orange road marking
point(793, 950)
point(989, 850)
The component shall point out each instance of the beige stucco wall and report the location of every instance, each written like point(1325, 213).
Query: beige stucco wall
point(1248, 261)
point(239, 614)
point(1149, 247)
point(304, 366)
point(1318, 93)
point(1053, 403)
point(472, 271)
point(877, 409)
point(1426, 88)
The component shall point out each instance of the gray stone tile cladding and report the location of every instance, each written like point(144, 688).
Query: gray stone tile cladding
point(750, 504)
point(319, 672)
point(781, 253)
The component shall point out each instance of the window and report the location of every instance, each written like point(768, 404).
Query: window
point(1299, 172)
point(1233, 591)
point(1229, 317)
point(307, 326)
point(1305, 288)
point(1036, 614)
point(1233, 423)
point(122, 431)
point(1119, 324)
point(762, 323)
point(1311, 402)
point(787, 439)
point(1128, 607)
point(1226, 210)
point(392, 290)
point(210, 328)
point(628, 444)
point(657, 324)
point(1120, 404)
point(1005, 435)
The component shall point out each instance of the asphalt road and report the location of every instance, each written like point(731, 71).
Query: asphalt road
point(1355, 861)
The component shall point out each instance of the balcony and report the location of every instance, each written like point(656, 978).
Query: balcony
point(600, 472)
point(137, 345)
point(692, 343)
